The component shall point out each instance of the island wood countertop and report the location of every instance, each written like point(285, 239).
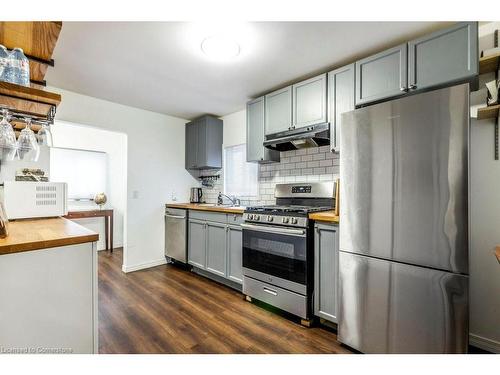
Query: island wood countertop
point(37, 234)
point(325, 216)
point(203, 207)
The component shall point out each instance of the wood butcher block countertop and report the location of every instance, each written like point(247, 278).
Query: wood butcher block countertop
point(36, 234)
point(326, 216)
point(203, 207)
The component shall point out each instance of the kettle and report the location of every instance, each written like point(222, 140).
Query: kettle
point(196, 194)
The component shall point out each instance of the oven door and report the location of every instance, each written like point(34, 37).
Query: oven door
point(276, 251)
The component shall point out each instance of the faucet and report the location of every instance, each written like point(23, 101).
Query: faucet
point(234, 201)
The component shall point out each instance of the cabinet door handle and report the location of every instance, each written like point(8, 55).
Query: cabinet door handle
point(413, 86)
point(404, 89)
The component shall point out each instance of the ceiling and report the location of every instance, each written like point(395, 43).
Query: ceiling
point(159, 66)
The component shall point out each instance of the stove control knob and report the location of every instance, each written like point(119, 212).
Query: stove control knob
point(269, 218)
point(257, 217)
point(285, 220)
point(294, 220)
point(250, 217)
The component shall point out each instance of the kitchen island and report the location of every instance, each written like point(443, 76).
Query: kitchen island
point(48, 288)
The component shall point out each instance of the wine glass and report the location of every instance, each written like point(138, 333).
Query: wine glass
point(28, 148)
point(45, 136)
point(8, 144)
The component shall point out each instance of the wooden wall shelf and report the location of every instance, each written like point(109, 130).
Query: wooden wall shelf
point(37, 39)
point(29, 101)
point(488, 112)
point(489, 64)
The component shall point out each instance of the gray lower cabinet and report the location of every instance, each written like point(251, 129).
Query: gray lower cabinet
point(326, 270)
point(203, 145)
point(382, 75)
point(215, 244)
point(444, 56)
point(309, 101)
point(234, 253)
point(256, 152)
point(278, 111)
point(341, 85)
point(216, 248)
point(197, 255)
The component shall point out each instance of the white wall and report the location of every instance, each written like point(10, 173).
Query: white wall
point(485, 223)
point(70, 135)
point(155, 168)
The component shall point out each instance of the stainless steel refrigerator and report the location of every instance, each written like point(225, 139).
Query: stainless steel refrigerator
point(403, 258)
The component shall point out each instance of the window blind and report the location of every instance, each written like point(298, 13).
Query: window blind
point(240, 177)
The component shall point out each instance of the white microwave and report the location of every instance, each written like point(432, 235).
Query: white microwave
point(28, 199)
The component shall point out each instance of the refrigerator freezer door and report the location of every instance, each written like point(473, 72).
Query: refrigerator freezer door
point(403, 168)
point(389, 307)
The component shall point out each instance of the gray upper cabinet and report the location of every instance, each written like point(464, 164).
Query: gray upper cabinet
point(234, 254)
point(196, 243)
point(340, 99)
point(382, 76)
point(256, 152)
point(216, 248)
point(309, 102)
point(278, 111)
point(191, 145)
point(204, 143)
point(326, 268)
point(444, 56)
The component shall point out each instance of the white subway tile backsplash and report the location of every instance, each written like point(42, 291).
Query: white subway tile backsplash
point(325, 163)
point(312, 178)
point(304, 165)
point(320, 170)
point(319, 156)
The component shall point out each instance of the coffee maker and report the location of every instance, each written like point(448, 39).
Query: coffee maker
point(196, 194)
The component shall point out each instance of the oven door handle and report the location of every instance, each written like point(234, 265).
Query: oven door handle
point(266, 229)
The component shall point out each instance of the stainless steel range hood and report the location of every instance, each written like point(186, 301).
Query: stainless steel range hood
point(308, 136)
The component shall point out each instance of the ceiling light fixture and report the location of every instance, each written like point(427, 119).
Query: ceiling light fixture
point(220, 48)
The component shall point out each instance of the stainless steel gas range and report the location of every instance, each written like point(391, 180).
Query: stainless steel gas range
point(278, 246)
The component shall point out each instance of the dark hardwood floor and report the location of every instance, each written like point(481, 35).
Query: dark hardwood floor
point(169, 310)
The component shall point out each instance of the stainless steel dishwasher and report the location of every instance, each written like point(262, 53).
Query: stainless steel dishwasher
point(175, 234)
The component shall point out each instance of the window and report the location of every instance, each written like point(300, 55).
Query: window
point(84, 171)
point(240, 177)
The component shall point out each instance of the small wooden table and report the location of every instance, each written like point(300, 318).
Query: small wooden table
point(108, 222)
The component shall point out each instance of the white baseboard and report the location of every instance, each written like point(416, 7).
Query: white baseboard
point(115, 246)
point(484, 343)
point(142, 266)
